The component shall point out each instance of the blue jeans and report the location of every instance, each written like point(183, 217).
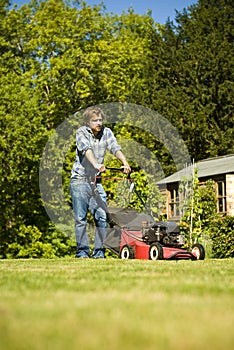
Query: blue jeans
point(83, 199)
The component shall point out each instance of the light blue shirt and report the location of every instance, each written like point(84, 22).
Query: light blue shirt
point(85, 140)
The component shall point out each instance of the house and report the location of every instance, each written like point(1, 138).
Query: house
point(219, 169)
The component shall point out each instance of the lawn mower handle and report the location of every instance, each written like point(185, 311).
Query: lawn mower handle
point(115, 169)
point(121, 169)
point(136, 191)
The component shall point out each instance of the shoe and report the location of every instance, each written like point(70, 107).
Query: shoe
point(98, 254)
point(82, 256)
point(82, 252)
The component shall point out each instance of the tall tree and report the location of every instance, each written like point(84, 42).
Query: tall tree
point(192, 78)
point(56, 59)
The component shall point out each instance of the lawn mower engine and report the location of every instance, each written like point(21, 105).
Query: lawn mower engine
point(166, 233)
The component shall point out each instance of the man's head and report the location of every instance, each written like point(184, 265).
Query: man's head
point(92, 112)
point(93, 117)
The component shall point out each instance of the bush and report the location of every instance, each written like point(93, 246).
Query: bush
point(221, 232)
point(30, 242)
point(215, 232)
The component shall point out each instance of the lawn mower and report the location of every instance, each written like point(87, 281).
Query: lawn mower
point(134, 235)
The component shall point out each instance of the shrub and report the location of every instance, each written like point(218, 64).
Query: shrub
point(30, 242)
point(221, 232)
point(203, 223)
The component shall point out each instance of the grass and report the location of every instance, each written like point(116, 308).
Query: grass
point(116, 304)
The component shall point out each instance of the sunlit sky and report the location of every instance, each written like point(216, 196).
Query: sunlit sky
point(161, 9)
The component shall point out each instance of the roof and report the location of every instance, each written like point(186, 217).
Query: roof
point(206, 168)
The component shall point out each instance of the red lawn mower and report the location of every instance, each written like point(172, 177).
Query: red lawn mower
point(134, 235)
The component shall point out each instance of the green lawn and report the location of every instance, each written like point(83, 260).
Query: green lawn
point(116, 304)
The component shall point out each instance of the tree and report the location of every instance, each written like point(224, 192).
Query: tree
point(59, 57)
point(55, 59)
point(191, 77)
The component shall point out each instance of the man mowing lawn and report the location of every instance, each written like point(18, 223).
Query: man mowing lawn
point(92, 142)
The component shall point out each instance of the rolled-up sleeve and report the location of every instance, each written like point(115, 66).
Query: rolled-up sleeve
point(82, 141)
point(112, 144)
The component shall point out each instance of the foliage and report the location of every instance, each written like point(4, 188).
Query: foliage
point(31, 243)
point(58, 57)
point(201, 210)
point(201, 222)
point(190, 77)
point(222, 234)
point(46, 75)
point(139, 191)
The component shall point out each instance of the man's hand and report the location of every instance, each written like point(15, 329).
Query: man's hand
point(126, 168)
point(101, 168)
point(90, 156)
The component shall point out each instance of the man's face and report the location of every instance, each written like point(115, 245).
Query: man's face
point(95, 123)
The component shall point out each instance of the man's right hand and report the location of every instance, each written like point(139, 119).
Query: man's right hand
point(101, 168)
point(91, 158)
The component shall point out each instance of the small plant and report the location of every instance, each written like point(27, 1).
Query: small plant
point(200, 210)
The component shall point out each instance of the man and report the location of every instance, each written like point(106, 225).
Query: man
point(92, 141)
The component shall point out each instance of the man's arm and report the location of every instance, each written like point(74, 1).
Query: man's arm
point(126, 167)
point(101, 167)
point(91, 158)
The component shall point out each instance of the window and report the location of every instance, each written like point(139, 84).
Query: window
point(221, 195)
point(174, 203)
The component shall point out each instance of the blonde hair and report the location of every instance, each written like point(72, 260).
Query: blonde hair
point(90, 112)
